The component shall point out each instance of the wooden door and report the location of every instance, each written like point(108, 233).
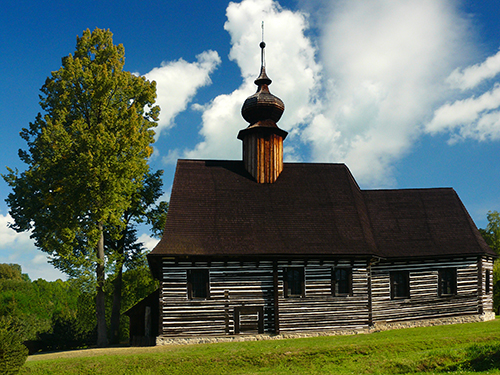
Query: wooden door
point(249, 319)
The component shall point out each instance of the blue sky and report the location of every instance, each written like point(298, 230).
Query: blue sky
point(406, 93)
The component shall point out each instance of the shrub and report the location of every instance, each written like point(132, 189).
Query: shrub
point(13, 353)
point(496, 287)
point(66, 334)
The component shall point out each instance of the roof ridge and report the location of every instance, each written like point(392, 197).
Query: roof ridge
point(367, 230)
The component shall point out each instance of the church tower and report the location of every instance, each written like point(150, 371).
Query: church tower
point(263, 139)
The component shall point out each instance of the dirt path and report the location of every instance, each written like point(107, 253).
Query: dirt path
point(95, 352)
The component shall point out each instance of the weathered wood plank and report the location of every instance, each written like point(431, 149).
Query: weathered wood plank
point(234, 283)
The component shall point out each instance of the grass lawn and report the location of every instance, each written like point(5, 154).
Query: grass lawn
point(462, 349)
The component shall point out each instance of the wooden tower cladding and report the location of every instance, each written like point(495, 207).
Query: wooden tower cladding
point(263, 139)
point(263, 156)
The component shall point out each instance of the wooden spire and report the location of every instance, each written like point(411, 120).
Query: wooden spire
point(263, 139)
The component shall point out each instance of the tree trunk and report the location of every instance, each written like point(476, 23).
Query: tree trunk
point(102, 339)
point(117, 289)
point(117, 305)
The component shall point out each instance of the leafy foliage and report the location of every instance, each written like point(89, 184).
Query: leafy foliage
point(121, 243)
point(125, 251)
point(32, 305)
point(13, 353)
point(87, 155)
point(492, 232)
point(492, 237)
point(12, 272)
point(138, 283)
point(60, 314)
point(67, 333)
point(87, 158)
point(496, 286)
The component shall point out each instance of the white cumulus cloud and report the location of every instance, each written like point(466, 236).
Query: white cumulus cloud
point(290, 63)
point(360, 88)
point(177, 82)
point(472, 76)
point(18, 248)
point(385, 62)
point(357, 93)
point(477, 114)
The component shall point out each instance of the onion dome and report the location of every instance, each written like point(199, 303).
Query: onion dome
point(262, 139)
point(262, 106)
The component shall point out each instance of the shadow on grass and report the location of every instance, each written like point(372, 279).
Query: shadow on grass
point(472, 358)
point(483, 357)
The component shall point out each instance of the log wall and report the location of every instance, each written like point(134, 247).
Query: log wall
point(319, 310)
point(486, 299)
point(235, 284)
point(247, 289)
point(232, 284)
point(424, 301)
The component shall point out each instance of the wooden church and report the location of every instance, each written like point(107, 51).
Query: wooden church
point(263, 246)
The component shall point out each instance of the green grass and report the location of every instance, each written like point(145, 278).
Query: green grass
point(462, 349)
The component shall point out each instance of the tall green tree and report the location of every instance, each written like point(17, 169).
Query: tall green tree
point(12, 272)
point(125, 250)
point(87, 156)
point(491, 235)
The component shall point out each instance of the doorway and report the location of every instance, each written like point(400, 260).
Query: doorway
point(249, 319)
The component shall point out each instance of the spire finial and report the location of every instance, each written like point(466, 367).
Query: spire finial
point(263, 79)
point(262, 106)
point(262, 46)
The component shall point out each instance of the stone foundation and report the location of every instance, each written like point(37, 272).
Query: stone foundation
point(377, 327)
point(384, 326)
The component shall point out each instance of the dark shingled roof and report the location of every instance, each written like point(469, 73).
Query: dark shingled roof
point(422, 223)
point(217, 208)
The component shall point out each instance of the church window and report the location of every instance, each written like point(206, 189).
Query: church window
point(447, 282)
point(294, 282)
point(341, 282)
point(400, 284)
point(198, 282)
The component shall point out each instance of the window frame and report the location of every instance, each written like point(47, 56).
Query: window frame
point(448, 272)
point(336, 281)
point(396, 285)
point(192, 288)
point(286, 282)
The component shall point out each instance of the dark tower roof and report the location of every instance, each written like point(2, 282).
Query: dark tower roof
point(263, 109)
point(263, 139)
